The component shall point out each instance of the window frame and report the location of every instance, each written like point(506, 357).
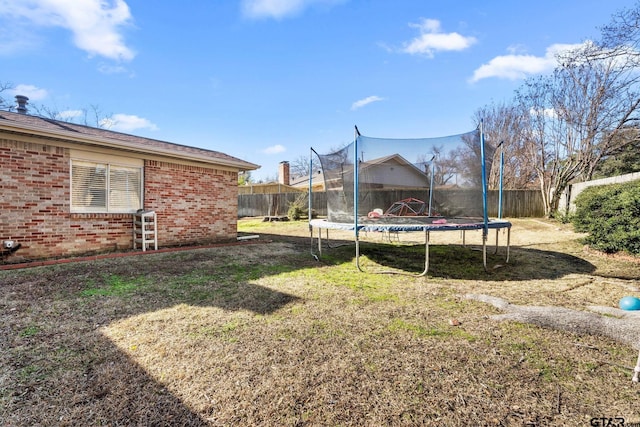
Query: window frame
point(109, 164)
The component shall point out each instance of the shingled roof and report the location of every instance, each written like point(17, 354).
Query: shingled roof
point(26, 124)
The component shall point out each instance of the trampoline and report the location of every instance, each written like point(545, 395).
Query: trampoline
point(388, 185)
point(429, 225)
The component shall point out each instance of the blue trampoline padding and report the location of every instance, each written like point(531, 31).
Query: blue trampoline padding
point(452, 224)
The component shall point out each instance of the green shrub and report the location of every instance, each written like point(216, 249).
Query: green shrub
point(298, 208)
point(611, 216)
point(295, 212)
point(562, 217)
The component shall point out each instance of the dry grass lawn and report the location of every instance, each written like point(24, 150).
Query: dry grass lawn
point(263, 334)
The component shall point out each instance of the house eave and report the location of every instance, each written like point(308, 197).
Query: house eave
point(98, 141)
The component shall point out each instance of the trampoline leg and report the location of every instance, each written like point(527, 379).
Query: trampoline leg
point(426, 259)
point(358, 255)
point(311, 245)
point(484, 250)
point(426, 254)
point(497, 234)
point(508, 243)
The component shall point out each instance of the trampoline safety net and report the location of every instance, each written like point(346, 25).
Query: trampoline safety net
point(405, 180)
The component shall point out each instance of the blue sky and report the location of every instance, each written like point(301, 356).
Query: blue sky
point(265, 80)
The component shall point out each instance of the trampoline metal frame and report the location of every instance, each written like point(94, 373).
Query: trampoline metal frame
point(426, 228)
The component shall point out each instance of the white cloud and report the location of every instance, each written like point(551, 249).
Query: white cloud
point(365, 101)
point(127, 123)
point(111, 69)
point(279, 9)
point(432, 40)
point(519, 66)
point(274, 149)
point(95, 24)
point(32, 92)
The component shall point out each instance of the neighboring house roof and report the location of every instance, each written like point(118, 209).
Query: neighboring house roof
point(396, 159)
point(392, 158)
point(86, 135)
point(303, 181)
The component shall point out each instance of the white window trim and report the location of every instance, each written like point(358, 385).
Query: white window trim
point(108, 161)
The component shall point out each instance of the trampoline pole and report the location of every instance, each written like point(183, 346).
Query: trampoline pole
point(484, 182)
point(356, 166)
point(431, 185)
point(500, 194)
point(309, 201)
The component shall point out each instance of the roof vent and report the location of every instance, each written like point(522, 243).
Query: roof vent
point(22, 104)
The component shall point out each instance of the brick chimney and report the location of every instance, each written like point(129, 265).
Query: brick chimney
point(283, 173)
point(21, 100)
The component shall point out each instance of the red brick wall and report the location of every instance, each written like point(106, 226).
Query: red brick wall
point(194, 205)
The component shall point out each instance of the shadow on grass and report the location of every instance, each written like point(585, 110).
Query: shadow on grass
point(57, 367)
point(466, 263)
point(451, 261)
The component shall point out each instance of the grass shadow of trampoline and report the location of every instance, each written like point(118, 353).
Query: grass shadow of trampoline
point(466, 262)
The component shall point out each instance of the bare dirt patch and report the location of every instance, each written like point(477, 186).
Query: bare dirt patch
point(265, 335)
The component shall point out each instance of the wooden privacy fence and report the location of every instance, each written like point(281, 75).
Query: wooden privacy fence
point(515, 203)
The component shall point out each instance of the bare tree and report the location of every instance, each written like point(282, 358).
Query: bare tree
point(621, 37)
point(577, 117)
point(503, 127)
point(299, 167)
point(533, 103)
point(4, 104)
point(445, 166)
point(88, 116)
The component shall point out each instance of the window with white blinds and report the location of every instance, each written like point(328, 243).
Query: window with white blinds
point(103, 187)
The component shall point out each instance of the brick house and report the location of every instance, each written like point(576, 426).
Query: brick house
point(68, 189)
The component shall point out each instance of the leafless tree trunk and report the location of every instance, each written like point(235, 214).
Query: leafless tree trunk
point(503, 127)
point(533, 105)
